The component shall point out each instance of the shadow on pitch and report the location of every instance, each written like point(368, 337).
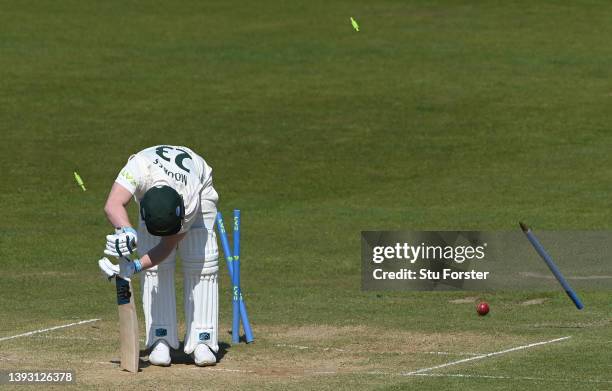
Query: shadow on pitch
point(177, 356)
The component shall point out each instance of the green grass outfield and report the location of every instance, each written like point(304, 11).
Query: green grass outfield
point(436, 115)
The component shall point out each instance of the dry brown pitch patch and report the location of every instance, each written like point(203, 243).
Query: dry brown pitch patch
point(281, 355)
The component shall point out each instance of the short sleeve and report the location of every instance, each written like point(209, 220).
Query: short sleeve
point(130, 176)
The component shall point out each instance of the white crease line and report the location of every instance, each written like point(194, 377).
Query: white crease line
point(512, 378)
point(49, 329)
point(448, 364)
point(453, 353)
point(65, 337)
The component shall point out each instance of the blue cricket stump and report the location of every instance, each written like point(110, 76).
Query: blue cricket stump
point(246, 325)
point(236, 292)
point(551, 265)
point(236, 280)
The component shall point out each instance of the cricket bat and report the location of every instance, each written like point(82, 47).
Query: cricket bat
point(128, 325)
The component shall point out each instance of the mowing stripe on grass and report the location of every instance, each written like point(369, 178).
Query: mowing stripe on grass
point(448, 364)
point(49, 329)
point(300, 347)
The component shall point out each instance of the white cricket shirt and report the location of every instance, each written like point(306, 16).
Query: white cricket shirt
point(174, 166)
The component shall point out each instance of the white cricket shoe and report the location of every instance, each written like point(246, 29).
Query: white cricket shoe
point(160, 354)
point(203, 356)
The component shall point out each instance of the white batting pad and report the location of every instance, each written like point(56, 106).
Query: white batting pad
point(200, 276)
point(158, 295)
point(199, 244)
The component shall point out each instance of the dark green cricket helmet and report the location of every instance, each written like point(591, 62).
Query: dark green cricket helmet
point(163, 210)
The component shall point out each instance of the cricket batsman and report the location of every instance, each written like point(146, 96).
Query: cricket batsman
point(178, 205)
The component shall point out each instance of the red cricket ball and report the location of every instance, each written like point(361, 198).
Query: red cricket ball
point(482, 308)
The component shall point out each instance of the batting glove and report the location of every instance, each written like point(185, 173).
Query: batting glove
point(125, 269)
point(122, 243)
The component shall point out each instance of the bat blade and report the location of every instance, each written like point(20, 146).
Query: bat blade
point(128, 325)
